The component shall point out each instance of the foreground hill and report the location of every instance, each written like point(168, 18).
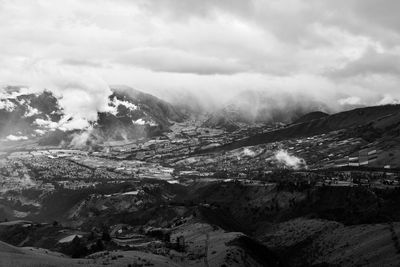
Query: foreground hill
point(326, 226)
point(313, 242)
point(29, 256)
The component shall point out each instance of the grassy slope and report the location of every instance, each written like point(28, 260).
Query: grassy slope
point(342, 120)
point(313, 242)
point(28, 257)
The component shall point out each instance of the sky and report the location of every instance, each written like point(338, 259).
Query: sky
point(342, 52)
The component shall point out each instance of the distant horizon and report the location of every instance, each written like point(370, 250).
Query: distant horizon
point(343, 105)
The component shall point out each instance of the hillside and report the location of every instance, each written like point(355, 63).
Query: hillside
point(29, 256)
point(343, 120)
point(132, 114)
point(311, 116)
point(19, 114)
point(251, 107)
point(313, 242)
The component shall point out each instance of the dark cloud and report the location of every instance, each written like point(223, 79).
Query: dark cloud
point(375, 13)
point(373, 18)
point(327, 48)
point(81, 62)
point(178, 10)
point(370, 63)
point(168, 60)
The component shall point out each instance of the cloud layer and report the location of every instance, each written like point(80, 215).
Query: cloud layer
point(336, 51)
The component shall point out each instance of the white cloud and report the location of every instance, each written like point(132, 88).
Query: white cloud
point(46, 123)
point(81, 92)
point(290, 161)
point(388, 99)
point(74, 124)
point(115, 103)
point(16, 137)
point(351, 101)
point(139, 122)
point(40, 132)
point(7, 105)
point(31, 112)
point(210, 48)
point(80, 139)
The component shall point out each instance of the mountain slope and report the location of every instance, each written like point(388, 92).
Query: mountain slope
point(260, 107)
point(26, 256)
point(343, 120)
point(19, 114)
point(311, 116)
point(132, 114)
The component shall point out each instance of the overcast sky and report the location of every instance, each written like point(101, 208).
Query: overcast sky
point(342, 51)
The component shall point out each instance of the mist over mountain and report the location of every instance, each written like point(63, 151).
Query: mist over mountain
point(131, 114)
point(22, 114)
point(251, 107)
point(370, 123)
point(315, 115)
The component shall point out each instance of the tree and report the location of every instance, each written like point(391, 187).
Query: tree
point(76, 249)
point(91, 236)
point(99, 245)
point(106, 236)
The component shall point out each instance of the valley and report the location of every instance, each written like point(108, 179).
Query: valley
point(307, 193)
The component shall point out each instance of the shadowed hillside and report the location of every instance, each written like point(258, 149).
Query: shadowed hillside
point(339, 121)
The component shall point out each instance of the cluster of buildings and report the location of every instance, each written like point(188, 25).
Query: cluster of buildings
point(178, 154)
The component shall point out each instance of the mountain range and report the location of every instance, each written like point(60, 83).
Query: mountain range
point(133, 115)
point(249, 107)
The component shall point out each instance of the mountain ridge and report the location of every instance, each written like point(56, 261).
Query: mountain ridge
point(338, 121)
point(132, 115)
